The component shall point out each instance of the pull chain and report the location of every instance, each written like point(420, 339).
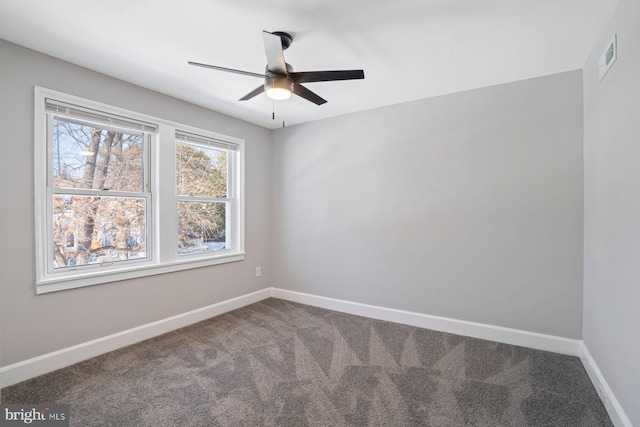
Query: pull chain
point(273, 111)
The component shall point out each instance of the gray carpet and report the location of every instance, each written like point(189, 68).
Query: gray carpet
point(277, 363)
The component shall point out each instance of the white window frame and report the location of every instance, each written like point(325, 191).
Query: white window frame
point(79, 113)
point(196, 138)
point(162, 220)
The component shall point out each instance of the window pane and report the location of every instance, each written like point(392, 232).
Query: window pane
point(202, 227)
point(93, 230)
point(200, 171)
point(89, 157)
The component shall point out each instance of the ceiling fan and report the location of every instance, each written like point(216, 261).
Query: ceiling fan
point(280, 81)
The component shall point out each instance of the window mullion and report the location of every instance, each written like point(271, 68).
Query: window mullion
point(231, 211)
point(165, 195)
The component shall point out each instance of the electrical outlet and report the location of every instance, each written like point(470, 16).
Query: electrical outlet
point(258, 271)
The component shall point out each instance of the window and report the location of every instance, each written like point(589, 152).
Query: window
point(98, 188)
point(202, 190)
point(103, 178)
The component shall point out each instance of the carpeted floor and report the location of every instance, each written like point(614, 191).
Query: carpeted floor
point(277, 363)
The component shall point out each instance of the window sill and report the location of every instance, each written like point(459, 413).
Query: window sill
point(64, 281)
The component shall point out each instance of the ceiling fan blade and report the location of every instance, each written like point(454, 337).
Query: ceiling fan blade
point(275, 56)
point(256, 91)
point(228, 70)
point(308, 95)
point(326, 76)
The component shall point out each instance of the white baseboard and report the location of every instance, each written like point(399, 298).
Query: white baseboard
point(611, 403)
point(461, 327)
point(31, 368)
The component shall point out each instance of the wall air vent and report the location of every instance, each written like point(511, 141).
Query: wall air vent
point(608, 57)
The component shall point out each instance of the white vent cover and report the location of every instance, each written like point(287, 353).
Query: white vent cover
point(608, 57)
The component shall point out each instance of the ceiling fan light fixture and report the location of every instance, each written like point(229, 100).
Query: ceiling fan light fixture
point(278, 88)
point(279, 94)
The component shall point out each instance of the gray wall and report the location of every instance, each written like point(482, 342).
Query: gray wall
point(467, 206)
point(612, 209)
point(34, 325)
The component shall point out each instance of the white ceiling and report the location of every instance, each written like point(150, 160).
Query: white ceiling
point(409, 49)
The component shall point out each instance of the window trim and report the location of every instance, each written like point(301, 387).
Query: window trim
point(163, 256)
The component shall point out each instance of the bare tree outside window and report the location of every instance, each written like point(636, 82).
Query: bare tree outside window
point(201, 185)
point(104, 228)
